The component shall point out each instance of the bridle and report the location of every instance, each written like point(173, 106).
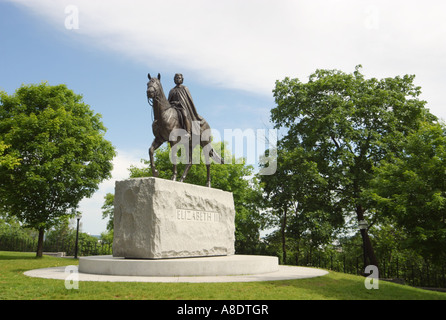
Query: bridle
point(151, 100)
point(156, 88)
point(156, 85)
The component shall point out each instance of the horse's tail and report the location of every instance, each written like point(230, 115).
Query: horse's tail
point(216, 157)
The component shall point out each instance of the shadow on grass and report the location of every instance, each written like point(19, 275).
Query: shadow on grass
point(340, 286)
point(14, 257)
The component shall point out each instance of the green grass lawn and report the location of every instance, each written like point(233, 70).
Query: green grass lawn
point(334, 286)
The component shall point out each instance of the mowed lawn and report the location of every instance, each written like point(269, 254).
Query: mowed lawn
point(334, 286)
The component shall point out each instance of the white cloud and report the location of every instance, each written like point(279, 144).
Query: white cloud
point(251, 43)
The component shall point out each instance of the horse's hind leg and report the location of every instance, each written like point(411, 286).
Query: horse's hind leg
point(186, 170)
point(189, 164)
point(155, 145)
point(207, 159)
point(174, 159)
point(208, 181)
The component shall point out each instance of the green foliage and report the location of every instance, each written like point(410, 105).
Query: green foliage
point(7, 160)
point(61, 233)
point(108, 210)
point(410, 188)
point(107, 237)
point(338, 128)
point(346, 124)
point(291, 200)
point(11, 228)
point(62, 151)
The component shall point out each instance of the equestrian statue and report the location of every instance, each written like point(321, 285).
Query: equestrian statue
point(176, 120)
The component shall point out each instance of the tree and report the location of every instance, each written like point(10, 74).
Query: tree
point(62, 151)
point(290, 198)
point(410, 189)
point(346, 125)
point(108, 210)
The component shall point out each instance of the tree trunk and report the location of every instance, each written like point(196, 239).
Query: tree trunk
point(40, 243)
point(369, 253)
point(297, 252)
point(283, 237)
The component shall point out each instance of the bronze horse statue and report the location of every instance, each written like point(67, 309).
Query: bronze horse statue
point(167, 126)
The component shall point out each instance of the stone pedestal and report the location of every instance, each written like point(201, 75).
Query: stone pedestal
point(157, 218)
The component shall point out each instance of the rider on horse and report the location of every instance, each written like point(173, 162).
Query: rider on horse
point(181, 99)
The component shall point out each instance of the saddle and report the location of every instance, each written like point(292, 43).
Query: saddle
point(177, 106)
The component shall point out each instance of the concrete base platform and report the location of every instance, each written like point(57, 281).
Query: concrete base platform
point(280, 272)
point(183, 267)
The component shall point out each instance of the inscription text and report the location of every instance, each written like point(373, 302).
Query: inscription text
point(197, 215)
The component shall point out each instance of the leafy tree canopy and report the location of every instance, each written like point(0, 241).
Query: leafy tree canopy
point(344, 125)
point(61, 150)
point(410, 188)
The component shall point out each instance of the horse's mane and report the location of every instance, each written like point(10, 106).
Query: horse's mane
point(163, 95)
point(161, 100)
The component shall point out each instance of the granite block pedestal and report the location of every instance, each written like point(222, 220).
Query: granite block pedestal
point(157, 218)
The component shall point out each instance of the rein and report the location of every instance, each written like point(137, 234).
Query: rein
point(151, 101)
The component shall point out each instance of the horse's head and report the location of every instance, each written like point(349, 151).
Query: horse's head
point(153, 86)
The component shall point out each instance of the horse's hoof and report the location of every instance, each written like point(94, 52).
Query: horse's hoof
point(155, 173)
point(174, 178)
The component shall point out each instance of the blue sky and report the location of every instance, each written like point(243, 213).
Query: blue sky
point(230, 53)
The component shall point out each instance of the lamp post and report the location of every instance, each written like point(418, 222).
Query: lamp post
point(78, 217)
point(362, 224)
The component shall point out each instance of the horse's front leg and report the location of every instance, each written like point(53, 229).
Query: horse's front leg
point(155, 145)
point(186, 170)
point(174, 160)
point(174, 175)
